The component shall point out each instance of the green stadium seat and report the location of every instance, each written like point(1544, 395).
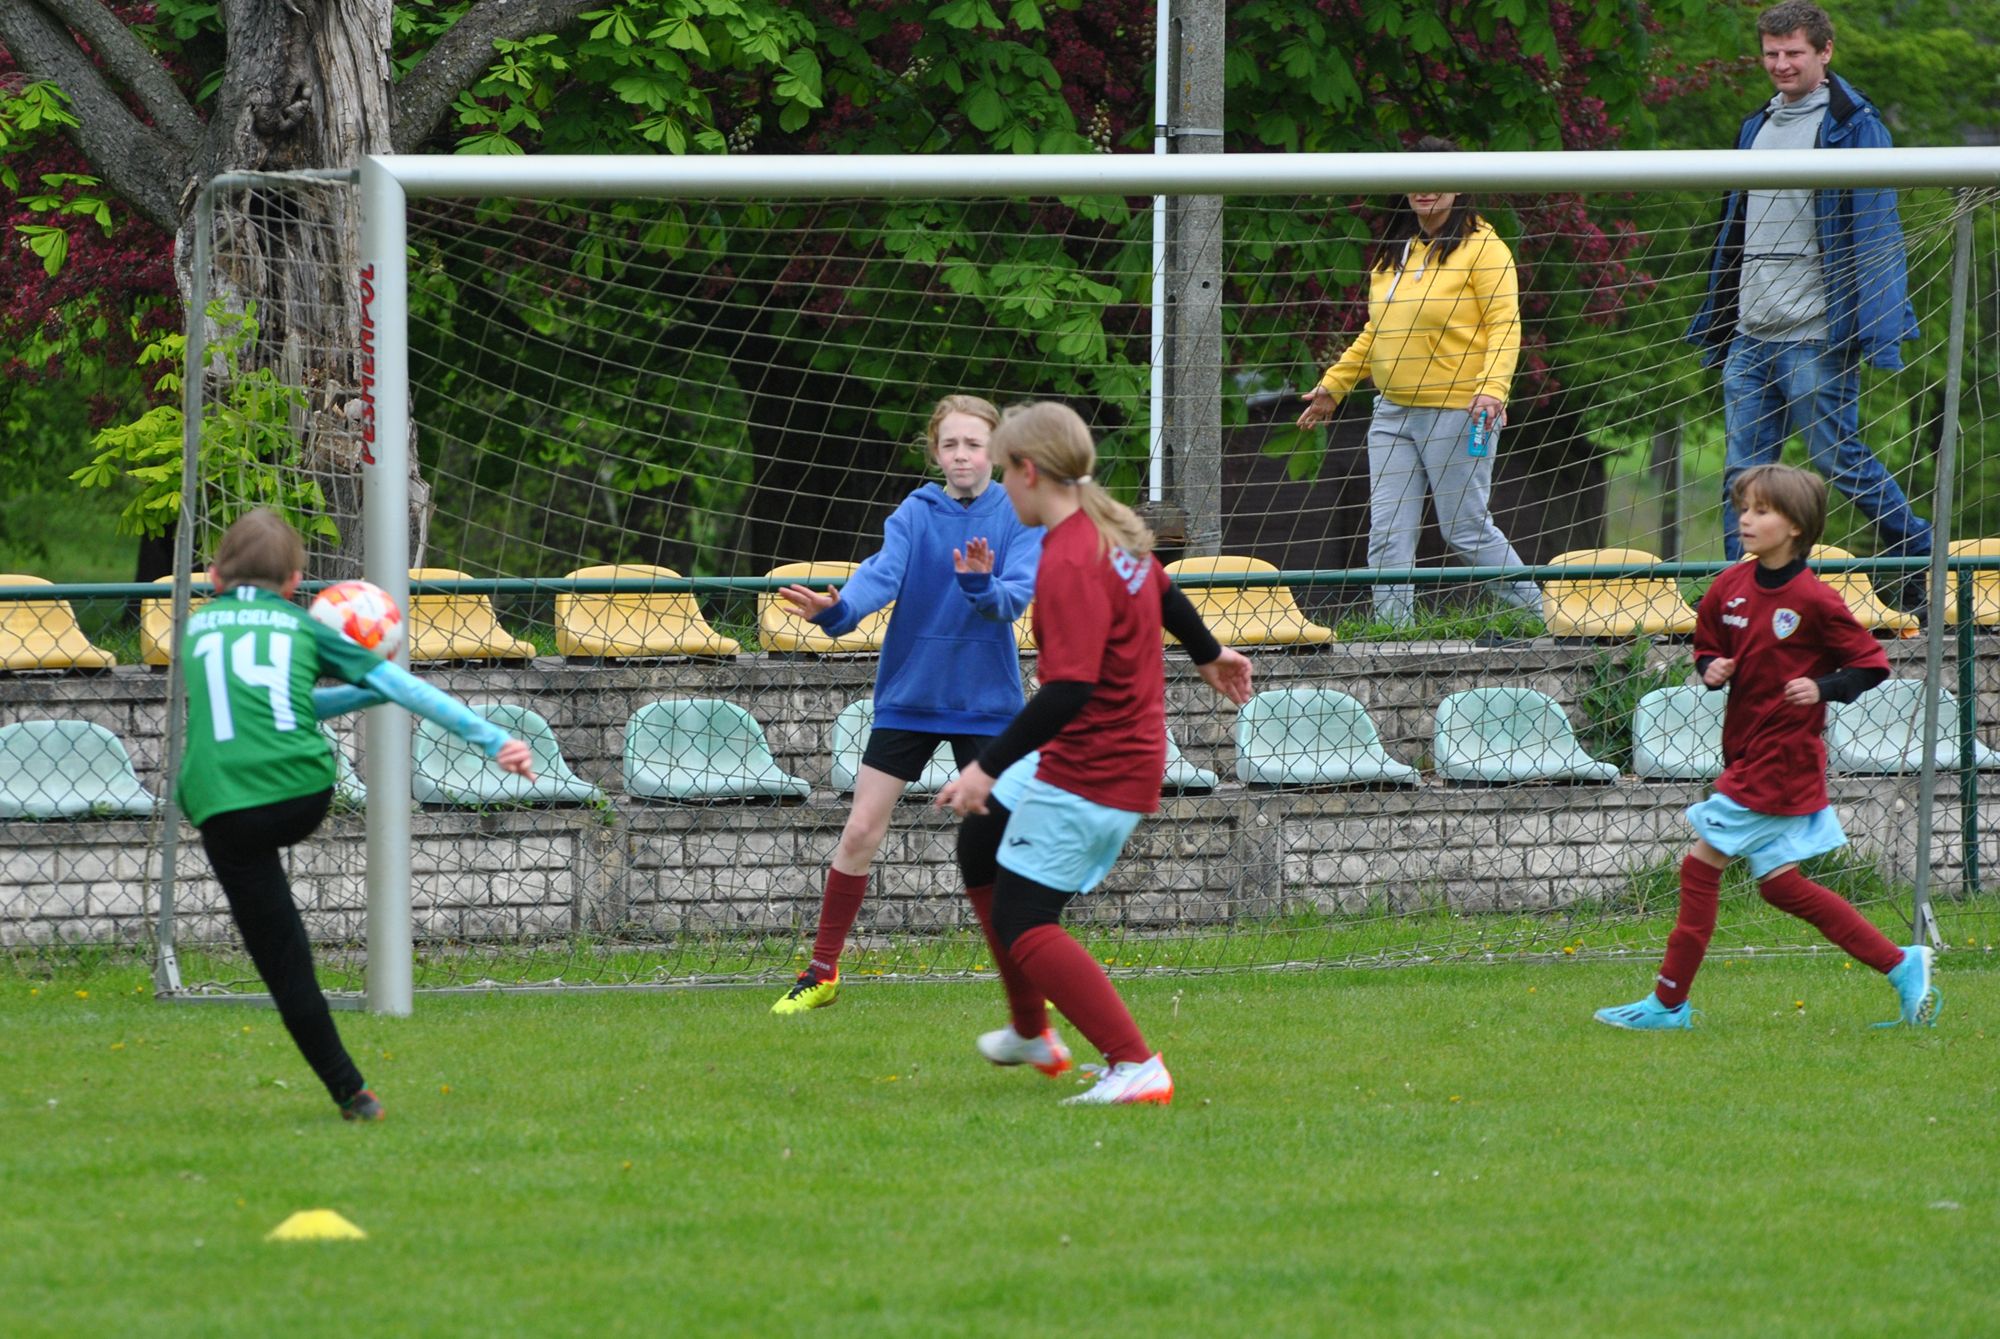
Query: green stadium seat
point(348, 788)
point(1677, 734)
point(850, 741)
point(1505, 734)
point(702, 749)
point(444, 769)
point(1312, 737)
point(635, 626)
point(1879, 733)
point(1183, 776)
point(43, 634)
point(68, 769)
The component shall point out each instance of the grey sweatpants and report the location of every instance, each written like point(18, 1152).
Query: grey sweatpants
point(1412, 449)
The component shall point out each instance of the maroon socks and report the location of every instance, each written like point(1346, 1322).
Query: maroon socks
point(838, 907)
point(1065, 974)
point(1701, 890)
point(1026, 1008)
point(1833, 916)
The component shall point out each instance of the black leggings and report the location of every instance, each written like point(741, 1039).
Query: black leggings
point(243, 847)
point(1019, 903)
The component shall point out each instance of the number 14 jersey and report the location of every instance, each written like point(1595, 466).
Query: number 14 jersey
point(251, 658)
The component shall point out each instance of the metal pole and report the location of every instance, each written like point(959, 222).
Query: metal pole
point(910, 176)
point(166, 965)
point(1196, 250)
point(1156, 407)
point(1923, 922)
point(1968, 757)
point(385, 531)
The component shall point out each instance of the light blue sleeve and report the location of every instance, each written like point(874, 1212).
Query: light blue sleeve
point(877, 580)
point(396, 684)
point(330, 700)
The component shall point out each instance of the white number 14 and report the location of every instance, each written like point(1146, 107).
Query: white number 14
point(275, 678)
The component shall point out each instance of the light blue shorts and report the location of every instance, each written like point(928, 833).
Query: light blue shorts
point(1767, 841)
point(1059, 840)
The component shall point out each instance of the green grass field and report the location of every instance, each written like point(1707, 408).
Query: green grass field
point(1414, 1152)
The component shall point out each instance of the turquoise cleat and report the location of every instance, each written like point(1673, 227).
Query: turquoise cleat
point(1918, 998)
point(1648, 1015)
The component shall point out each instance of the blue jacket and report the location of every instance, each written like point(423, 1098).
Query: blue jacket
point(1860, 248)
point(949, 661)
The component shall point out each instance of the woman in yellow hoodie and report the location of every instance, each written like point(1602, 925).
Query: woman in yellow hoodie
point(1443, 335)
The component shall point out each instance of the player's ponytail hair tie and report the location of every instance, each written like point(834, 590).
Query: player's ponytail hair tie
point(1082, 479)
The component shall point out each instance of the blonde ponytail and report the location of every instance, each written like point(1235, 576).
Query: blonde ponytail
point(1058, 441)
point(1118, 526)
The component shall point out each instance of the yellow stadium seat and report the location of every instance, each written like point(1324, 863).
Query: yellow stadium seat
point(1853, 587)
point(1247, 615)
point(1631, 606)
point(1024, 628)
point(156, 622)
point(458, 627)
point(43, 634)
point(1985, 585)
point(635, 625)
point(782, 631)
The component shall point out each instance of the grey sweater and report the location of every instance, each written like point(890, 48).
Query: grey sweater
point(1783, 296)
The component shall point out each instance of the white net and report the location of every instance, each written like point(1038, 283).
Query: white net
point(652, 390)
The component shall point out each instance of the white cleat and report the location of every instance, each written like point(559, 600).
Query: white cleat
point(1008, 1047)
point(1127, 1082)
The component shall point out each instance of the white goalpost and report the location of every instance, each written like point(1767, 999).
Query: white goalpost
point(1284, 865)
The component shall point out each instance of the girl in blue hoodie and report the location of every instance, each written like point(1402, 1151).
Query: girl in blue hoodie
point(950, 668)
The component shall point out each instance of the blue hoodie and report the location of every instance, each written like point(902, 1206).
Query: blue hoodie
point(949, 662)
point(1860, 247)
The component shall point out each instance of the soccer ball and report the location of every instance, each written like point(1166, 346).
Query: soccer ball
point(361, 612)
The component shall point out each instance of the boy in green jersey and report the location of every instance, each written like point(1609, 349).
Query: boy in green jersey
point(257, 775)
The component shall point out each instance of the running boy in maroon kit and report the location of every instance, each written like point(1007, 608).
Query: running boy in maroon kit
point(1784, 644)
point(1052, 824)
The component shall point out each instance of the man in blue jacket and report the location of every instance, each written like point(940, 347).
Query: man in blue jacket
point(1805, 284)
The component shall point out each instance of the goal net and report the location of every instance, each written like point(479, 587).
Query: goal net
point(642, 396)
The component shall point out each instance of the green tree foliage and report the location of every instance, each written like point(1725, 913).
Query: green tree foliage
point(1044, 297)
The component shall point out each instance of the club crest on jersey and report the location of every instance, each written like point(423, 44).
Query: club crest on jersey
point(1784, 623)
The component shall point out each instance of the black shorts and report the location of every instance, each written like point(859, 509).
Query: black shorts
point(904, 754)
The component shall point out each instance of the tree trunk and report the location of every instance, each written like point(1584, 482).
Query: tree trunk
point(308, 87)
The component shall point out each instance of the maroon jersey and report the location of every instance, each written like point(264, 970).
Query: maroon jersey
point(1097, 620)
point(1774, 760)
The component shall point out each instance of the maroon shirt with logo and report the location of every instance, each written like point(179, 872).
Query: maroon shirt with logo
point(1097, 620)
point(1774, 760)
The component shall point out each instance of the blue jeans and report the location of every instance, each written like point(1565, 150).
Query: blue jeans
point(1772, 390)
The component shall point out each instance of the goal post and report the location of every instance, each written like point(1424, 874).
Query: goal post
point(555, 499)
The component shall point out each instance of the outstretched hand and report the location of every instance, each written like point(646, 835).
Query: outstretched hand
point(806, 602)
point(515, 756)
point(978, 557)
point(1228, 674)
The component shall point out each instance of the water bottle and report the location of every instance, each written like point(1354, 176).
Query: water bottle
point(1476, 440)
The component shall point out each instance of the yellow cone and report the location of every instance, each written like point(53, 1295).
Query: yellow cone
point(315, 1225)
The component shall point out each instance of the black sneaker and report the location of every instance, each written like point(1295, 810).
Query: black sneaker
point(364, 1105)
point(1913, 595)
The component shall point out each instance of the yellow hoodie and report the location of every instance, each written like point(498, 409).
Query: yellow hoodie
point(1440, 332)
